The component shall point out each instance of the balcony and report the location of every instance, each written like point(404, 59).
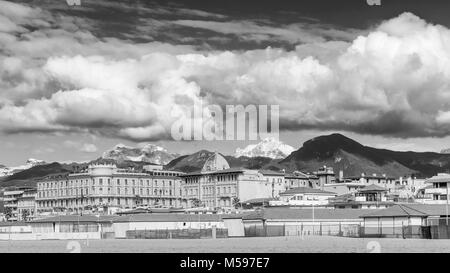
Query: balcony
point(436, 191)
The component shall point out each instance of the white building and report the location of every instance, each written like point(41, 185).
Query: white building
point(105, 185)
point(218, 185)
point(303, 196)
point(439, 190)
point(20, 202)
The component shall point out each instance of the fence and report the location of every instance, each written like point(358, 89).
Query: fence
point(346, 230)
point(176, 233)
point(410, 231)
point(439, 228)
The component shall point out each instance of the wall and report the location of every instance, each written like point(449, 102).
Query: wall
point(15, 229)
point(50, 236)
point(389, 226)
point(235, 227)
point(121, 228)
point(251, 189)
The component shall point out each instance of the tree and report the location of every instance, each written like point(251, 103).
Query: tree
point(236, 202)
point(196, 203)
point(25, 215)
point(8, 213)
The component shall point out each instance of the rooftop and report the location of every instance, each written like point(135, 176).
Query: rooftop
point(168, 217)
point(305, 214)
point(300, 190)
point(230, 170)
point(270, 172)
point(405, 210)
point(440, 178)
point(257, 200)
point(372, 188)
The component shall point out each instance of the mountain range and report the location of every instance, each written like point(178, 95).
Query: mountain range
point(335, 150)
point(268, 147)
point(149, 153)
point(353, 158)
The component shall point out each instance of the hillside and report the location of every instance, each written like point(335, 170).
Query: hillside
point(343, 153)
point(195, 161)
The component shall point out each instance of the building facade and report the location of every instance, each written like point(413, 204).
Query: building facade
point(438, 189)
point(104, 186)
point(218, 185)
point(19, 203)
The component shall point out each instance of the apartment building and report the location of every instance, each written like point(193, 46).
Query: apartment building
point(218, 185)
point(103, 186)
point(438, 189)
point(19, 203)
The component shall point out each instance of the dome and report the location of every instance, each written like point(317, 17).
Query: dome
point(215, 162)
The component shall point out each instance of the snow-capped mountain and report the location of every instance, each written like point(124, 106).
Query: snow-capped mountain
point(445, 151)
point(269, 147)
point(149, 153)
point(31, 162)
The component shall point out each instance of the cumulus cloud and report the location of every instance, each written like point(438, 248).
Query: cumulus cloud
point(392, 81)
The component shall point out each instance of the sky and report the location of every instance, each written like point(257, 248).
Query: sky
point(77, 80)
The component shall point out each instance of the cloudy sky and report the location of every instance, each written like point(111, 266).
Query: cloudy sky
point(75, 81)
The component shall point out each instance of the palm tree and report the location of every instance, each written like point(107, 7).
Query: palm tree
point(236, 202)
point(8, 213)
point(25, 214)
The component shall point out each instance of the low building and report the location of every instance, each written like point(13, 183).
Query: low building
point(303, 196)
point(368, 197)
point(167, 225)
point(302, 221)
point(256, 203)
point(408, 221)
point(14, 227)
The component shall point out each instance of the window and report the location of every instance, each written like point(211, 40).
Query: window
point(118, 181)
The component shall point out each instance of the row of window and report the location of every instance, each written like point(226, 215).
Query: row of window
point(79, 183)
point(219, 178)
point(210, 190)
point(112, 201)
point(86, 191)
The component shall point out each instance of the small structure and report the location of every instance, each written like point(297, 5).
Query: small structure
point(168, 225)
point(408, 221)
point(256, 203)
point(302, 221)
point(303, 196)
point(368, 197)
point(14, 227)
point(344, 187)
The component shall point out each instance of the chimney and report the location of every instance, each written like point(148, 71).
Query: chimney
point(341, 175)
